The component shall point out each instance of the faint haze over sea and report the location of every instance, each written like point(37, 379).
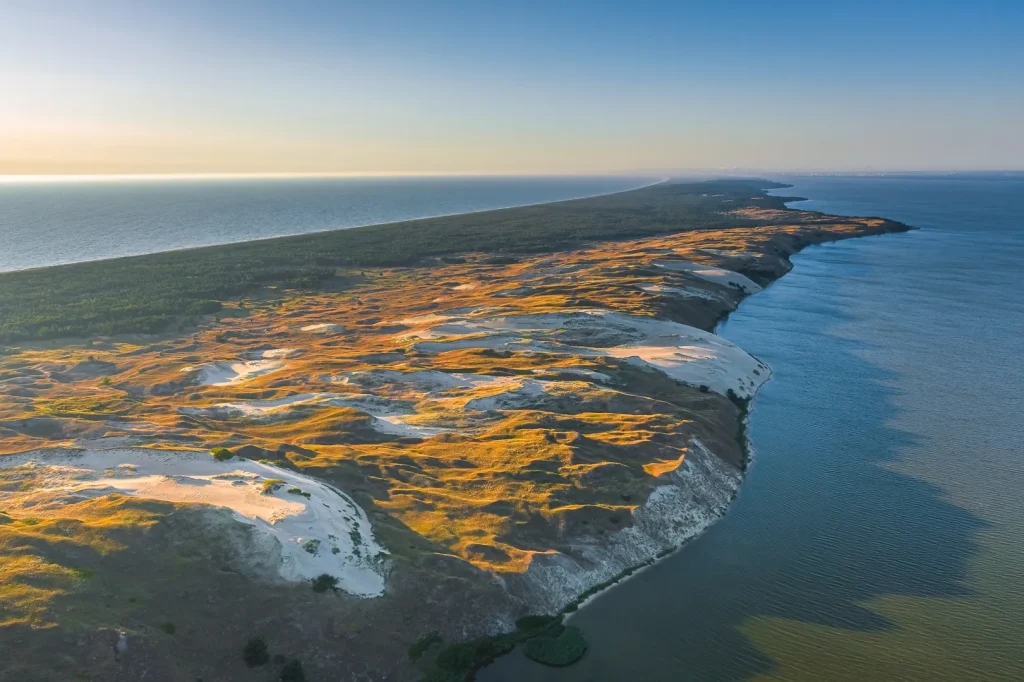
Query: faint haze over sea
point(174, 86)
point(50, 223)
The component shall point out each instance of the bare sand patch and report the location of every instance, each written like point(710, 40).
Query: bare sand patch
point(685, 353)
point(712, 274)
point(678, 291)
point(325, 532)
point(323, 328)
point(228, 373)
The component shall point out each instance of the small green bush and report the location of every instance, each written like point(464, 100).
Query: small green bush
point(324, 582)
point(299, 491)
point(565, 648)
point(255, 652)
point(536, 622)
point(222, 454)
point(312, 546)
point(168, 627)
point(272, 484)
point(292, 672)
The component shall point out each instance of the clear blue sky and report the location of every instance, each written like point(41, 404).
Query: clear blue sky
point(257, 86)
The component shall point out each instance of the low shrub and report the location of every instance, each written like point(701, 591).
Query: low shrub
point(564, 648)
point(168, 627)
point(255, 652)
point(324, 582)
point(272, 484)
point(536, 622)
point(222, 454)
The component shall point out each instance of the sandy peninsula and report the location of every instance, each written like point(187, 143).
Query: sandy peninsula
point(455, 442)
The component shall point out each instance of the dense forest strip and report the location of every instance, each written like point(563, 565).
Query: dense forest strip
point(152, 292)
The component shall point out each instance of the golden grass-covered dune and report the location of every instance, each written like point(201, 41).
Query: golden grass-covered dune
point(490, 435)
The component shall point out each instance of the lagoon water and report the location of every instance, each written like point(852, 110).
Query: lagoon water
point(880, 532)
point(55, 222)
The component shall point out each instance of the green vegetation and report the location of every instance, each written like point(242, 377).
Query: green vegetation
point(272, 484)
point(84, 407)
point(417, 650)
point(299, 491)
point(255, 652)
point(312, 546)
point(324, 582)
point(168, 627)
point(557, 648)
point(457, 662)
point(222, 454)
point(157, 292)
point(292, 672)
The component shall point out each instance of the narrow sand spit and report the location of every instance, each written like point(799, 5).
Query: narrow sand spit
point(712, 274)
point(323, 533)
point(228, 373)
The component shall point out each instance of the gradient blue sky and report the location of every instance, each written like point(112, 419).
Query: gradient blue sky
point(255, 86)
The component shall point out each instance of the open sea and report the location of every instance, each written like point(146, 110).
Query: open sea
point(879, 534)
point(53, 222)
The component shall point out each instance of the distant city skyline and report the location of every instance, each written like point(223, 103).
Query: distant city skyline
point(263, 87)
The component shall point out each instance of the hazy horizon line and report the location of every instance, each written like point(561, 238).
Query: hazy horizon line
point(12, 178)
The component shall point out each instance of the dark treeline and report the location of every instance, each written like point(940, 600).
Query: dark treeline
point(153, 292)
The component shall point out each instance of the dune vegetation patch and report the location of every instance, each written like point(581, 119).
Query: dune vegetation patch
point(487, 424)
point(380, 418)
point(560, 647)
point(47, 481)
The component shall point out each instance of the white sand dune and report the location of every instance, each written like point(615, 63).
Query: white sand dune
point(228, 373)
point(591, 374)
point(323, 328)
point(280, 353)
point(325, 533)
point(389, 414)
point(527, 392)
point(431, 382)
point(712, 274)
point(677, 291)
point(684, 353)
point(258, 409)
point(396, 425)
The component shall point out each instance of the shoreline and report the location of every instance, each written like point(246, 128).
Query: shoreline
point(524, 431)
point(567, 614)
point(186, 249)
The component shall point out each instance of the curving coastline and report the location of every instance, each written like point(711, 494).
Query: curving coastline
point(520, 428)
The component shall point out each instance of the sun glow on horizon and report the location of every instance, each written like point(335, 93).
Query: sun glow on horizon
point(337, 90)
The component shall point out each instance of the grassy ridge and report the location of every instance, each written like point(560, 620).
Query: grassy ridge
point(150, 293)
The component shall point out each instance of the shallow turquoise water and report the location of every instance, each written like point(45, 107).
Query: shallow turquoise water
point(880, 532)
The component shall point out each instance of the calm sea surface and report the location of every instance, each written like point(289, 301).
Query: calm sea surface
point(880, 532)
point(48, 223)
